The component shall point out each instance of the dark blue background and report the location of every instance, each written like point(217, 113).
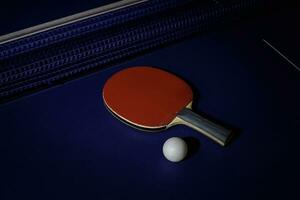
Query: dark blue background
point(62, 143)
point(16, 15)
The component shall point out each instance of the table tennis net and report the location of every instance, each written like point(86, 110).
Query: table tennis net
point(58, 55)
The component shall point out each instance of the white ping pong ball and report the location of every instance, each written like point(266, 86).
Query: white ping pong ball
point(175, 149)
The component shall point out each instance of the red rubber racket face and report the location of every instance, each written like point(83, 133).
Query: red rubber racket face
point(146, 97)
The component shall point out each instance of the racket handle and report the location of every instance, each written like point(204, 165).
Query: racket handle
point(214, 131)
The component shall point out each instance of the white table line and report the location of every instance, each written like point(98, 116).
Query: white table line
point(278, 52)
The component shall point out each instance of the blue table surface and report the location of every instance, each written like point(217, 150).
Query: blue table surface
point(63, 144)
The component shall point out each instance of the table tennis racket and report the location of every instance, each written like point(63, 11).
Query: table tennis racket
point(152, 99)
